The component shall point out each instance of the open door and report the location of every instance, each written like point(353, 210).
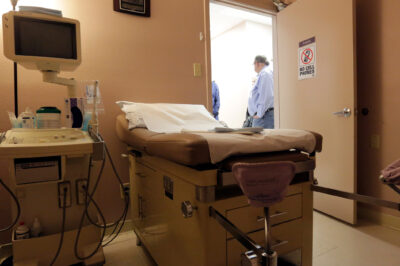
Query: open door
point(323, 101)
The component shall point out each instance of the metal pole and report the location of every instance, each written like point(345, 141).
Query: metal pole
point(246, 241)
point(267, 230)
point(15, 89)
point(14, 4)
point(357, 197)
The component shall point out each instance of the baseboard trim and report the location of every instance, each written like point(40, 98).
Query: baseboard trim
point(379, 218)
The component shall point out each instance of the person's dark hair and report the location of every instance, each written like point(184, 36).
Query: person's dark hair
point(261, 59)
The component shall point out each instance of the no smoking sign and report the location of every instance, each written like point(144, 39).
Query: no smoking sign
point(307, 56)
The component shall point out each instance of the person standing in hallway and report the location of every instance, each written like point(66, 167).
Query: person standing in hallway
point(215, 99)
point(261, 100)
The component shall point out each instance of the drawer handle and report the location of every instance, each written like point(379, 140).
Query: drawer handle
point(280, 243)
point(277, 214)
point(140, 175)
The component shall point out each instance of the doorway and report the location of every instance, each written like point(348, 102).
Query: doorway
point(237, 36)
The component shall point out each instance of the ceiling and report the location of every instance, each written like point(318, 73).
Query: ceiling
point(223, 18)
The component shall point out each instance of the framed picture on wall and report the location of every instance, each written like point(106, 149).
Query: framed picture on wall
point(134, 7)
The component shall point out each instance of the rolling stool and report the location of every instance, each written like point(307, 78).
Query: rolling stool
point(264, 184)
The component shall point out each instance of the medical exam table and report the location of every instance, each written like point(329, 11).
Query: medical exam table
point(174, 184)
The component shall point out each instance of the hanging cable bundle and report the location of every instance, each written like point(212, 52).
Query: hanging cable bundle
point(89, 199)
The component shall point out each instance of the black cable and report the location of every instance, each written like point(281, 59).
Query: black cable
point(119, 231)
point(92, 193)
point(95, 188)
point(16, 203)
point(62, 228)
point(14, 3)
point(79, 232)
point(115, 227)
point(116, 224)
point(89, 199)
point(16, 89)
point(112, 224)
point(126, 197)
point(89, 195)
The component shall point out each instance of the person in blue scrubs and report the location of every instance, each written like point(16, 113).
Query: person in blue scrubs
point(215, 99)
point(261, 100)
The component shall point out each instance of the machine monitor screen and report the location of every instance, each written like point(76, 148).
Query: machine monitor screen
point(43, 38)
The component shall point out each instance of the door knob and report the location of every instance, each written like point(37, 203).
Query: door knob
point(345, 113)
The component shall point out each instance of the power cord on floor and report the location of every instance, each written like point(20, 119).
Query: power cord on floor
point(16, 203)
point(60, 243)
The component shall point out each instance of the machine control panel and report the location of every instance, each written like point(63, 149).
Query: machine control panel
point(47, 136)
point(29, 143)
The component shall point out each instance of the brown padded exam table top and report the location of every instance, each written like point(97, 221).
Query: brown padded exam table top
point(184, 148)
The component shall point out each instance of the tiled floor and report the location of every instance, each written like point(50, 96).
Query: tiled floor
point(335, 243)
point(124, 252)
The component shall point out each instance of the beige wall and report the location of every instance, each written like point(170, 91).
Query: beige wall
point(135, 58)
point(378, 90)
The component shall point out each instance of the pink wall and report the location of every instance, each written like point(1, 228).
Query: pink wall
point(134, 58)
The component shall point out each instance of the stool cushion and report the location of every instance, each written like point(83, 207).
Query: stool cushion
point(264, 184)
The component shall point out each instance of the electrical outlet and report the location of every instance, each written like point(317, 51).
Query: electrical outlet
point(124, 190)
point(64, 190)
point(80, 191)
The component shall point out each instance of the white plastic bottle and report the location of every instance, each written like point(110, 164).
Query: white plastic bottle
point(22, 231)
point(36, 228)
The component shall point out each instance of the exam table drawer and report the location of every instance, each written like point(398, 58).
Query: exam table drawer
point(249, 219)
point(286, 237)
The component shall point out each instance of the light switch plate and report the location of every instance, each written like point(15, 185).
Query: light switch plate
point(197, 69)
point(375, 141)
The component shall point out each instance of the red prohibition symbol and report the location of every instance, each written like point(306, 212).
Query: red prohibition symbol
point(307, 56)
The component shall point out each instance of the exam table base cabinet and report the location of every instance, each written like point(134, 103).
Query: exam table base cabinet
point(158, 187)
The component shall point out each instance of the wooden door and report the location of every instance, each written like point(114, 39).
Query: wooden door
point(310, 103)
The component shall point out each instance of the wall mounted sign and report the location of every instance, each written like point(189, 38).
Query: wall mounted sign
point(134, 7)
point(307, 59)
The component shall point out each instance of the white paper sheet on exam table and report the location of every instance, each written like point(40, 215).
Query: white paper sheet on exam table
point(175, 118)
